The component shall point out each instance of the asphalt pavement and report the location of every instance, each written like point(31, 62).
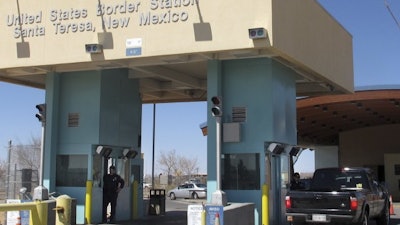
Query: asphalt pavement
point(174, 215)
point(179, 217)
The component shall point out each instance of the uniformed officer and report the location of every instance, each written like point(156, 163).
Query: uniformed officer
point(113, 183)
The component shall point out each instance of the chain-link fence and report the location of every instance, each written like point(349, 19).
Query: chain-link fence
point(16, 179)
point(11, 184)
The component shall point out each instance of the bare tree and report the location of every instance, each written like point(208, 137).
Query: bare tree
point(188, 166)
point(27, 156)
point(3, 171)
point(178, 166)
point(167, 161)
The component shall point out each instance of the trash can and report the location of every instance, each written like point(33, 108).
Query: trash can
point(157, 202)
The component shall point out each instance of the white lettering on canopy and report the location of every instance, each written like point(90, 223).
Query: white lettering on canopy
point(167, 4)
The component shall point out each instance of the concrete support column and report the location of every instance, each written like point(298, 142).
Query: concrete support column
point(264, 93)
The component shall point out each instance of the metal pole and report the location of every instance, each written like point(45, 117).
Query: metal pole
point(218, 197)
point(154, 131)
point(218, 150)
point(15, 181)
point(41, 156)
point(8, 170)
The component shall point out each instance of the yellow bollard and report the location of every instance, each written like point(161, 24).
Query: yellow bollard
point(63, 210)
point(264, 203)
point(88, 202)
point(135, 187)
point(42, 212)
point(203, 215)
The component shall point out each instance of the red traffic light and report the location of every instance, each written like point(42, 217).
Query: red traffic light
point(42, 112)
point(215, 100)
point(216, 109)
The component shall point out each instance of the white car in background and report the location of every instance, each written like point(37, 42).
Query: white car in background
point(188, 190)
point(146, 186)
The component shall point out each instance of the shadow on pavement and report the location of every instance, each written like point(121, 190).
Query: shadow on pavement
point(170, 217)
point(394, 221)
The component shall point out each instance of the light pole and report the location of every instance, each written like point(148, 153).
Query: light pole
point(218, 197)
point(8, 170)
point(41, 192)
point(154, 134)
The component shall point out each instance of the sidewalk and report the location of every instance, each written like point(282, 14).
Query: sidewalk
point(170, 218)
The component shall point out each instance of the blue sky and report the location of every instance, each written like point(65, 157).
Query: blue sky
point(376, 45)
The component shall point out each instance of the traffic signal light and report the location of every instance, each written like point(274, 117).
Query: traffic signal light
point(42, 112)
point(216, 109)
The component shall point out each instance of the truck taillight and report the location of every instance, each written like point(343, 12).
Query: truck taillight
point(353, 203)
point(288, 202)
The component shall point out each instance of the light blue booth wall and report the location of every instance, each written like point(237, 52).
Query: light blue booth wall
point(267, 90)
point(109, 108)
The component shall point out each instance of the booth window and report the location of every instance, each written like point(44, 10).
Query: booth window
point(240, 171)
point(71, 170)
point(396, 169)
point(123, 170)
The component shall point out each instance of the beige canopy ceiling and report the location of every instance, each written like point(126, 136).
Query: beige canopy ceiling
point(167, 44)
point(321, 119)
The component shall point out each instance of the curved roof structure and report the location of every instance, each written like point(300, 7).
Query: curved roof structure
point(321, 119)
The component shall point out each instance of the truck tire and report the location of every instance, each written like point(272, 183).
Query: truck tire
point(384, 217)
point(364, 219)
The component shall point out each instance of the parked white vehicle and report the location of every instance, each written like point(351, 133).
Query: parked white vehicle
point(189, 190)
point(146, 186)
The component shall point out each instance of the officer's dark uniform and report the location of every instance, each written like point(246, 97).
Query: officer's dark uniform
point(296, 183)
point(110, 192)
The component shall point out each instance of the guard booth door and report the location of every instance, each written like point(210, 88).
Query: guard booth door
point(278, 173)
point(128, 170)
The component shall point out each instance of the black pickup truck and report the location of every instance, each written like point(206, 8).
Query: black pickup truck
point(339, 196)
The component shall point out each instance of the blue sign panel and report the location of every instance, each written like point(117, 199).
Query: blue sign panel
point(214, 215)
point(24, 215)
point(133, 51)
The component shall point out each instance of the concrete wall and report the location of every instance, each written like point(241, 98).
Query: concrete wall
point(109, 109)
point(239, 214)
point(367, 146)
point(377, 148)
point(392, 174)
point(326, 156)
point(266, 90)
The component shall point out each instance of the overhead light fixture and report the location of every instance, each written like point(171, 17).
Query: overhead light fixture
point(275, 148)
point(129, 153)
point(294, 151)
point(94, 48)
point(257, 33)
point(103, 151)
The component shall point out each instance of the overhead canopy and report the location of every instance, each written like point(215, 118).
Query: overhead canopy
point(321, 119)
point(166, 44)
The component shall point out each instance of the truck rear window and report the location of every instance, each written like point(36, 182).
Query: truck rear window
point(334, 180)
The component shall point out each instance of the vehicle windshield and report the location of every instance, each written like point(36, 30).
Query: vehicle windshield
point(201, 185)
point(338, 179)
